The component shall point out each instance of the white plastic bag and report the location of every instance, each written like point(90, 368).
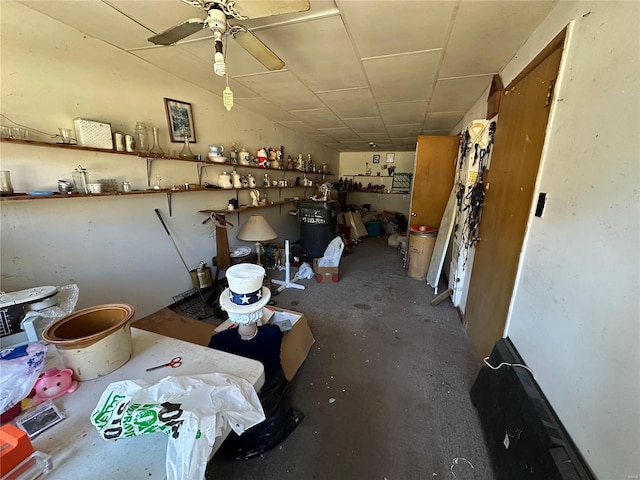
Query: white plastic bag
point(332, 253)
point(20, 367)
point(305, 271)
point(190, 409)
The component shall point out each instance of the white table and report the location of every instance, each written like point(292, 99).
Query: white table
point(76, 448)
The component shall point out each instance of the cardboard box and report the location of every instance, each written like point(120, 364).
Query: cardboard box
point(325, 274)
point(171, 324)
point(296, 343)
point(297, 339)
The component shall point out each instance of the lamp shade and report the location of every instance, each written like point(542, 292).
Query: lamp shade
point(257, 229)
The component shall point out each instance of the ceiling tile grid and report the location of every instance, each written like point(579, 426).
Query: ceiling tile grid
point(355, 72)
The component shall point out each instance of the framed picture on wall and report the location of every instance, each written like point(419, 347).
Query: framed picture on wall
point(376, 159)
point(180, 119)
point(391, 157)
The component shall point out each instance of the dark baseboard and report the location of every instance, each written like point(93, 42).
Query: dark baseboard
point(525, 437)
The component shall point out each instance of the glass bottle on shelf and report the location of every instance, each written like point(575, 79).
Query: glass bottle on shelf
point(156, 149)
point(141, 137)
point(5, 183)
point(80, 180)
point(186, 151)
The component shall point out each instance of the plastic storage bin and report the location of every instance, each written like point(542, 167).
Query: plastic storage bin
point(374, 228)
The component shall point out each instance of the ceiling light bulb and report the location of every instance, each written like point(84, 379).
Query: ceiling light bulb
point(219, 67)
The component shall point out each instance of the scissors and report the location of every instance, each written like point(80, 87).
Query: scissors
point(174, 363)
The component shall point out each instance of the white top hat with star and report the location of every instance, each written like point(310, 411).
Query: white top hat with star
point(245, 293)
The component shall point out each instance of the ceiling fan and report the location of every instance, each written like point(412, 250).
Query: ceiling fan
point(218, 12)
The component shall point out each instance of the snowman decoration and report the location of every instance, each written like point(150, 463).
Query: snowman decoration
point(262, 158)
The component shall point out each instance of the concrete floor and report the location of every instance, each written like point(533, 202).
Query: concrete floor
point(399, 370)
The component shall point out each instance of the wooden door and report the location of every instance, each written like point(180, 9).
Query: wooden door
point(509, 189)
point(432, 178)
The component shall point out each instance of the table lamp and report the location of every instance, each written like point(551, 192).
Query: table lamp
point(257, 229)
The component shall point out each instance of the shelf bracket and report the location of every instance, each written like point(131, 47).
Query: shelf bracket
point(149, 162)
point(169, 202)
point(200, 167)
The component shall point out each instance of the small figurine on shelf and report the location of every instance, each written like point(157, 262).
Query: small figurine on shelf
point(233, 153)
point(251, 181)
point(255, 198)
point(300, 165)
point(291, 164)
point(265, 182)
point(262, 158)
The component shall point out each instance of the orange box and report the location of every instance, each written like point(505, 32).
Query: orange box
point(15, 445)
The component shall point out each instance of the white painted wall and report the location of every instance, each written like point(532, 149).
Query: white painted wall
point(115, 249)
point(355, 163)
point(575, 312)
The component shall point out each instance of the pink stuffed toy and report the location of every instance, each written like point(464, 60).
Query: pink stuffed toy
point(53, 384)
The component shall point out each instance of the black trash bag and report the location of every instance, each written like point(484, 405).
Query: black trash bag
point(280, 421)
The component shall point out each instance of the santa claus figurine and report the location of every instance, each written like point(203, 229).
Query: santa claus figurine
point(262, 158)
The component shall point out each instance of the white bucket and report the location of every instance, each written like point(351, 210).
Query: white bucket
point(94, 341)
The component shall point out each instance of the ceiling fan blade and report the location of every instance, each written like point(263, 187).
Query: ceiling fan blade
point(178, 32)
point(259, 50)
point(261, 8)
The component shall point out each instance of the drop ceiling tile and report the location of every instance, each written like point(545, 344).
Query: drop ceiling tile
point(415, 84)
point(376, 137)
point(342, 133)
point(406, 140)
point(458, 94)
point(266, 109)
point(442, 120)
point(410, 25)
point(320, 138)
point(486, 35)
point(323, 60)
point(96, 19)
point(352, 103)
point(404, 130)
point(299, 126)
point(283, 89)
point(159, 19)
point(436, 132)
point(318, 117)
point(403, 113)
point(366, 125)
point(182, 64)
point(334, 145)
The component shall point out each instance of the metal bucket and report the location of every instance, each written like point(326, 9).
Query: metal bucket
point(94, 341)
point(201, 278)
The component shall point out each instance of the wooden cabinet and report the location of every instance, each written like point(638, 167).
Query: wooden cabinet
point(433, 178)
